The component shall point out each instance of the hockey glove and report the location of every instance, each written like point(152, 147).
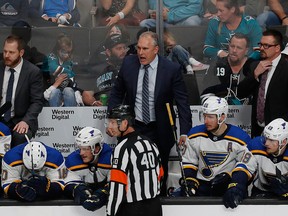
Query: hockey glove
point(81, 192)
point(25, 192)
point(40, 183)
point(97, 200)
point(279, 186)
point(234, 195)
point(192, 186)
point(219, 184)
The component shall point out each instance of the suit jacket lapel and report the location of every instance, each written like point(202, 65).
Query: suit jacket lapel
point(134, 77)
point(159, 78)
point(21, 80)
point(2, 68)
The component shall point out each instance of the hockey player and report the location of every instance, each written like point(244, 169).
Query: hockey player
point(88, 170)
point(270, 151)
point(33, 170)
point(216, 160)
point(136, 169)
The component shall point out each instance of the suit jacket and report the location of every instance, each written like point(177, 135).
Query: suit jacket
point(276, 103)
point(169, 86)
point(28, 96)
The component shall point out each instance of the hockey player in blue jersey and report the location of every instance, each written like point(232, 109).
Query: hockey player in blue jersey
point(270, 151)
point(33, 171)
point(216, 161)
point(89, 170)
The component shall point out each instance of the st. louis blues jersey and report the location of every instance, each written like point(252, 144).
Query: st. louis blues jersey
point(267, 164)
point(208, 155)
point(13, 169)
point(79, 172)
point(5, 139)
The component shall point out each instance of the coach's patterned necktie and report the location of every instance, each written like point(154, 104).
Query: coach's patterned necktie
point(145, 96)
point(261, 98)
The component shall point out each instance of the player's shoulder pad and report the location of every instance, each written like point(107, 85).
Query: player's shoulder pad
point(14, 156)
point(199, 130)
point(105, 156)
point(257, 146)
point(54, 157)
point(237, 135)
point(74, 161)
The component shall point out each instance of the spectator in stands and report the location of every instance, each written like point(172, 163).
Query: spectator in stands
point(228, 22)
point(121, 12)
point(54, 13)
point(270, 151)
point(247, 7)
point(176, 12)
point(267, 80)
point(22, 86)
point(107, 72)
point(59, 66)
point(277, 15)
point(12, 11)
point(33, 171)
point(157, 91)
point(179, 54)
point(225, 73)
point(89, 169)
point(214, 150)
point(100, 56)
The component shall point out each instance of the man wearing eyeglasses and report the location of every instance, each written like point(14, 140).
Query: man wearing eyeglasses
point(267, 80)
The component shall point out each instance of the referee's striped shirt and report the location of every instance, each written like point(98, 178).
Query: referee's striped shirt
point(136, 172)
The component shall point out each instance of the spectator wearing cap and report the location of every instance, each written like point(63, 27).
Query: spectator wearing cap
point(106, 72)
point(99, 55)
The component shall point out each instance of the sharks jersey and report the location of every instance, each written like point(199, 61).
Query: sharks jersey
point(267, 164)
point(13, 169)
point(218, 36)
point(78, 171)
point(207, 155)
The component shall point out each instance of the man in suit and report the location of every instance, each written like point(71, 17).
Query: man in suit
point(165, 85)
point(269, 101)
point(25, 94)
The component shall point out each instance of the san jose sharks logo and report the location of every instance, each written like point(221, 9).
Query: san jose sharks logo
point(211, 160)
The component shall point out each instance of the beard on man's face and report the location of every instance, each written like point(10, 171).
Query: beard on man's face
point(11, 63)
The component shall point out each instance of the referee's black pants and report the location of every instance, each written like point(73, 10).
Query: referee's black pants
point(148, 207)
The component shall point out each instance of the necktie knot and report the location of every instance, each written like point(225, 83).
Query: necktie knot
point(146, 67)
point(12, 70)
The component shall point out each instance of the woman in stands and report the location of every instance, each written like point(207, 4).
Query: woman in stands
point(229, 20)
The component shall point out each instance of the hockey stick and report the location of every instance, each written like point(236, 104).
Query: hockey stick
point(32, 162)
point(5, 107)
point(177, 149)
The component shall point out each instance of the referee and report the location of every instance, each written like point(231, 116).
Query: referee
point(136, 169)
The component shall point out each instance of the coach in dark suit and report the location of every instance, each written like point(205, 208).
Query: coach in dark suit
point(165, 85)
point(272, 68)
point(27, 93)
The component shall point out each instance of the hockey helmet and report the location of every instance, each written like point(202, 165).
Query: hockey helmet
point(276, 130)
point(121, 112)
point(89, 136)
point(34, 155)
point(215, 105)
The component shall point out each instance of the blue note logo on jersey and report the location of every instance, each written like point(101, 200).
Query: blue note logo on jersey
point(211, 160)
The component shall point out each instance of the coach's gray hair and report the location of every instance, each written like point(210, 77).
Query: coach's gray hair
point(151, 34)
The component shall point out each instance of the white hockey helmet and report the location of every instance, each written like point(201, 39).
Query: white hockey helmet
point(276, 130)
point(90, 136)
point(215, 105)
point(34, 155)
